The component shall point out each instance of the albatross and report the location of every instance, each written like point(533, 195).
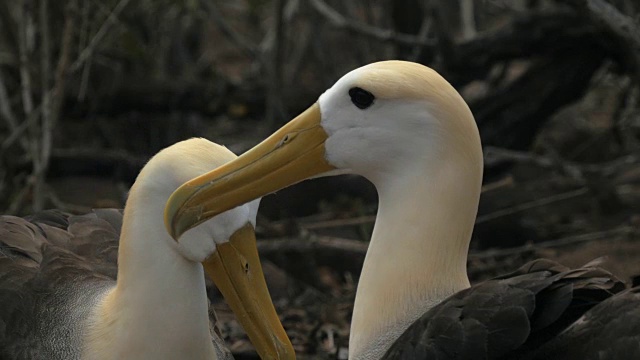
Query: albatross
point(59, 298)
point(407, 130)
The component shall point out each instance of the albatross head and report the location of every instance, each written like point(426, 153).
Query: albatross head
point(176, 165)
point(387, 117)
point(408, 131)
point(377, 121)
point(224, 244)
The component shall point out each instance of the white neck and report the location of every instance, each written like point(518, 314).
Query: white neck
point(159, 308)
point(418, 252)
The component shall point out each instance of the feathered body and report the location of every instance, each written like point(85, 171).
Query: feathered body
point(406, 129)
point(115, 285)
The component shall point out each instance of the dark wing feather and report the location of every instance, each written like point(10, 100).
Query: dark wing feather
point(610, 330)
point(53, 268)
point(48, 284)
point(509, 317)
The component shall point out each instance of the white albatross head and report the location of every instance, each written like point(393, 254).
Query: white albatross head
point(407, 130)
point(376, 121)
point(224, 244)
point(179, 163)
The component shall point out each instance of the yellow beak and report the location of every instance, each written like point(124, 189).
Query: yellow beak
point(293, 153)
point(235, 269)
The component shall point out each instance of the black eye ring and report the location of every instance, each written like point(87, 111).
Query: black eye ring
point(361, 97)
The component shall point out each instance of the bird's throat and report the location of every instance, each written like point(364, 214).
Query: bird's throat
point(159, 307)
point(417, 255)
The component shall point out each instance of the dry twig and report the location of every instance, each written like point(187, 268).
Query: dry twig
point(64, 206)
point(532, 205)
point(102, 31)
point(250, 49)
point(5, 106)
point(423, 35)
point(25, 36)
point(339, 21)
point(274, 99)
point(357, 249)
point(101, 156)
point(481, 219)
point(624, 28)
point(16, 134)
point(41, 162)
point(494, 156)
point(614, 233)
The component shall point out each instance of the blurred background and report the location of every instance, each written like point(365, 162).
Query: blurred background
point(90, 89)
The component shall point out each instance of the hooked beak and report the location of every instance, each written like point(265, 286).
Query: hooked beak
point(293, 153)
point(235, 269)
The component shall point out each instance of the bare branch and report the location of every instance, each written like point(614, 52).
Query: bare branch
point(467, 17)
point(25, 32)
point(84, 79)
point(101, 156)
point(226, 29)
point(532, 205)
point(64, 206)
point(299, 53)
point(41, 162)
point(423, 34)
point(9, 27)
point(621, 26)
point(102, 31)
point(18, 131)
point(5, 106)
point(339, 21)
point(274, 101)
point(481, 219)
point(313, 244)
point(357, 249)
point(25, 35)
point(628, 119)
point(18, 200)
point(367, 219)
point(494, 156)
point(614, 233)
point(499, 184)
point(59, 85)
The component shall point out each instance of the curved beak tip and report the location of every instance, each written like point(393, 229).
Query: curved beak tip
point(178, 218)
point(246, 293)
point(169, 217)
point(173, 232)
point(266, 168)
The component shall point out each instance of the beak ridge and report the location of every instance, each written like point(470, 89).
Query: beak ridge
point(235, 269)
point(293, 153)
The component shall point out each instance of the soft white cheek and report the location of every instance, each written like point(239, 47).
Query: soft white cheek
point(362, 150)
point(336, 147)
point(200, 242)
point(348, 149)
point(196, 244)
point(226, 224)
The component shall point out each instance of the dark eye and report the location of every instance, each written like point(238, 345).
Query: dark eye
point(361, 97)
